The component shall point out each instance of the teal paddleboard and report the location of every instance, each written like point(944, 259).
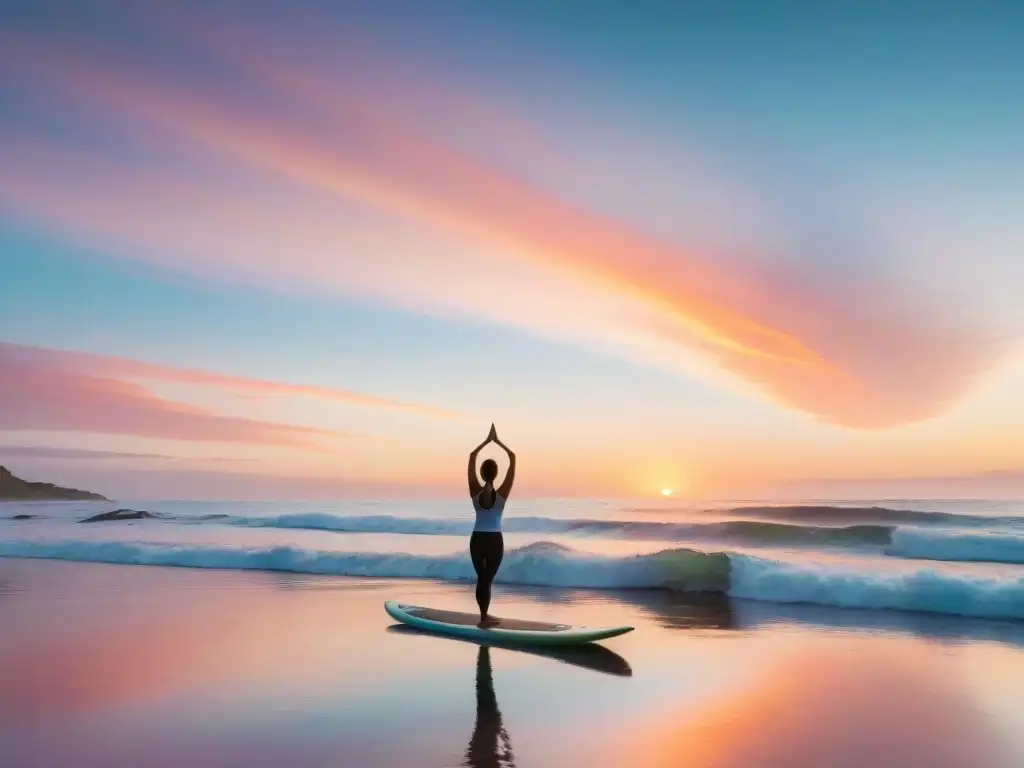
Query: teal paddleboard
point(502, 631)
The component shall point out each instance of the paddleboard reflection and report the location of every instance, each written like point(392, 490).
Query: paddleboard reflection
point(590, 656)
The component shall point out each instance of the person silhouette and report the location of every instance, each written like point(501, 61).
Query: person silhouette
point(486, 545)
point(489, 746)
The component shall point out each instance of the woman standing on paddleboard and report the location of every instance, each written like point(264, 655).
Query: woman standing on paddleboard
point(486, 545)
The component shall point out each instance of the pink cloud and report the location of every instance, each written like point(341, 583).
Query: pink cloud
point(166, 484)
point(123, 368)
point(857, 354)
point(47, 390)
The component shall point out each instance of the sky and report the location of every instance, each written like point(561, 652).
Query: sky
point(313, 250)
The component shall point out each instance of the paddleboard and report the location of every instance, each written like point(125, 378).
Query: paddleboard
point(503, 631)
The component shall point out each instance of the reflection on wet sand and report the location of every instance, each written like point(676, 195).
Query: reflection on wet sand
point(120, 656)
point(490, 745)
point(716, 611)
point(681, 610)
point(305, 663)
point(589, 656)
point(851, 705)
point(751, 614)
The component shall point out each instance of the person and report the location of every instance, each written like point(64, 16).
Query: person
point(486, 545)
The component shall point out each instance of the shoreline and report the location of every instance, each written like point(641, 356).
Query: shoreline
point(989, 591)
point(676, 609)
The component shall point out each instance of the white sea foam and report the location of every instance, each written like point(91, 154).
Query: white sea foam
point(539, 564)
point(548, 564)
point(917, 543)
point(920, 590)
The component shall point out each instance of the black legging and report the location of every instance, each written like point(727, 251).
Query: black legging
point(486, 548)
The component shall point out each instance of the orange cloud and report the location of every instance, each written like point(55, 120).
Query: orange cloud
point(855, 354)
point(410, 174)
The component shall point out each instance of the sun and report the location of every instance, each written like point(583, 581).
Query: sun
point(667, 491)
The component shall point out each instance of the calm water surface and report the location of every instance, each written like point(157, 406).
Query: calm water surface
point(111, 665)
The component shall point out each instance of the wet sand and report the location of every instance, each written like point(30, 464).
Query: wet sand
point(111, 665)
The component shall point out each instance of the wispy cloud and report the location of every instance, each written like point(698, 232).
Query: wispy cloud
point(87, 454)
point(119, 367)
point(169, 484)
point(858, 353)
point(50, 390)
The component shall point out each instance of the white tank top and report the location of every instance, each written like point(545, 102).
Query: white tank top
point(488, 520)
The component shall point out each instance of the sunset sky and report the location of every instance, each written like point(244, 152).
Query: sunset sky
point(309, 250)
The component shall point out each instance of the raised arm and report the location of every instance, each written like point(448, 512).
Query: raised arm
point(510, 476)
point(474, 478)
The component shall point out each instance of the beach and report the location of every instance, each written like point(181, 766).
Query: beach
point(108, 664)
point(693, 330)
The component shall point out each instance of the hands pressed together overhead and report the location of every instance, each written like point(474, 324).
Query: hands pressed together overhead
point(492, 437)
point(506, 486)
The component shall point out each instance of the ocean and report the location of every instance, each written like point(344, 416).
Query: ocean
point(959, 558)
point(875, 633)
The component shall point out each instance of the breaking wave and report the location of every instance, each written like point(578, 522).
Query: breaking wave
point(922, 590)
point(549, 564)
point(539, 564)
point(921, 544)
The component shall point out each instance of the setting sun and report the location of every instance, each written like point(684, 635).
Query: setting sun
point(666, 491)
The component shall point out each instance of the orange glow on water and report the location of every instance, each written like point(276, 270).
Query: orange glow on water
point(895, 706)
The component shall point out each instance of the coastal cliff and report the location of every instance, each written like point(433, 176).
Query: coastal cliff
point(14, 488)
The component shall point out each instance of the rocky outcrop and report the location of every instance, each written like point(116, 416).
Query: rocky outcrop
point(118, 514)
point(12, 487)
